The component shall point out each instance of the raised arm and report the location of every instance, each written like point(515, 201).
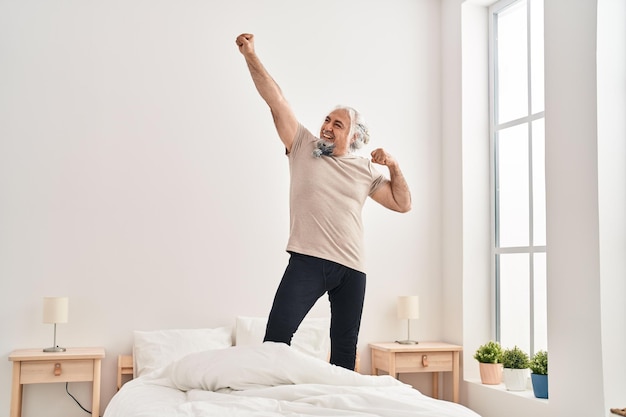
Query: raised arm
point(284, 118)
point(395, 194)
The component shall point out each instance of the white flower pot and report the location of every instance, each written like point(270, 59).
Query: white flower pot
point(515, 379)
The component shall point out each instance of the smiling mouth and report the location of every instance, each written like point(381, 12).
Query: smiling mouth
point(328, 135)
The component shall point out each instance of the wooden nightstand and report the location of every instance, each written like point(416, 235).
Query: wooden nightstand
point(435, 357)
point(33, 366)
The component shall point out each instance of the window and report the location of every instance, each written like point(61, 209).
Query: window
point(518, 180)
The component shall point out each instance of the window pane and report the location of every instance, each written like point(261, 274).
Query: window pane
point(519, 173)
point(540, 303)
point(536, 54)
point(512, 63)
point(514, 300)
point(539, 183)
point(513, 187)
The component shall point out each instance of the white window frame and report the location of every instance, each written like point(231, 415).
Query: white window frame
point(496, 250)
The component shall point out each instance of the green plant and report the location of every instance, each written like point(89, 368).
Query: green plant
point(539, 363)
point(490, 352)
point(515, 358)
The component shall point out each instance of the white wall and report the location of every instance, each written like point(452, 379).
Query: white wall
point(141, 176)
point(478, 306)
point(611, 56)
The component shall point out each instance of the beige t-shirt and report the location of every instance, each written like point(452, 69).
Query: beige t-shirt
point(326, 199)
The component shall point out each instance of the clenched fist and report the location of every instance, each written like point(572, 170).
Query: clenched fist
point(245, 42)
point(379, 156)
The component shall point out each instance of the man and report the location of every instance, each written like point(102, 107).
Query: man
point(329, 185)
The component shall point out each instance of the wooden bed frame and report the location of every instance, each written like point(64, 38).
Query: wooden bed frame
point(125, 367)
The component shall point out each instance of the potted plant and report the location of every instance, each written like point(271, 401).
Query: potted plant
point(515, 373)
point(539, 374)
point(489, 357)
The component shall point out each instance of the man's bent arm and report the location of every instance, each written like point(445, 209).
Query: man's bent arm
point(284, 118)
point(399, 189)
point(395, 194)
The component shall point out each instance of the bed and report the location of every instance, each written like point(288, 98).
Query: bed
point(202, 373)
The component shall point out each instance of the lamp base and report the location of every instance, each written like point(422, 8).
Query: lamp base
point(407, 342)
point(54, 349)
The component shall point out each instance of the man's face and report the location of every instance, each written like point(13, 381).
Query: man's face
point(335, 131)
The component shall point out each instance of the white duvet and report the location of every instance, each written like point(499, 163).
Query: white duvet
point(270, 380)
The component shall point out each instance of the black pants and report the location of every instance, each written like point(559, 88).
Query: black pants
point(305, 280)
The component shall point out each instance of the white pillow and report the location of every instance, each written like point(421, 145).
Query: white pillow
point(312, 337)
point(158, 348)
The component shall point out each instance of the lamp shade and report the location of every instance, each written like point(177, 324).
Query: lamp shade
point(55, 309)
point(408, 307)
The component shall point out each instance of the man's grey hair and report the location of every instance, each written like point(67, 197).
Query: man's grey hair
point(358, 128)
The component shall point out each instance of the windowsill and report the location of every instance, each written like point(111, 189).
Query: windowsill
point(528, 393)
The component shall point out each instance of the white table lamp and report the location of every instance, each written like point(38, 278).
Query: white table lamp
point(408, 308)
point(55, 311)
